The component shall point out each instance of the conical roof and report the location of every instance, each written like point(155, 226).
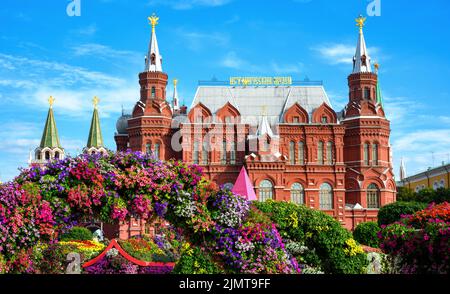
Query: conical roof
point(50, 136)
point(95, 133)
point(243, 186)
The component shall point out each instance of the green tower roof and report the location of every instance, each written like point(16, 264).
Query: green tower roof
point(95, 133)
point(50, 136)
point(379, 95)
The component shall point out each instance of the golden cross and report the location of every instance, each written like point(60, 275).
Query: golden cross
point(153, 21)
point(175, 82)
point(360, 22)
point(377, 67)
point(95, 101)
point(51, 100)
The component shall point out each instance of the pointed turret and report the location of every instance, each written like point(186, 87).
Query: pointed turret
point(50, 147)
point(361, 60)
point(153, 61)
point(402, 170)
point(243, 186)
point(379, 94)
point(95, 139)
point(175, 103)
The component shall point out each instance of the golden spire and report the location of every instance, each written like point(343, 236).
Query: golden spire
point(175, 82)
point(95, 101)
point(153, 21)
point(51, 101)
point(360, 22)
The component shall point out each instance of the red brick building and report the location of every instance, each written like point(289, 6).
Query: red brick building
point(294, 145)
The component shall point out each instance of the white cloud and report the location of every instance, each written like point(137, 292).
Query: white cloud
point(339, 53)
point(189, 4)
point(196, 41)
point(233, 61)
point(89, 30)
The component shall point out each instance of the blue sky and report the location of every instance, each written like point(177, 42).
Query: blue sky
point(45, 52)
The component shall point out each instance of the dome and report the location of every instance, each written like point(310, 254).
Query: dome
point(122, 124)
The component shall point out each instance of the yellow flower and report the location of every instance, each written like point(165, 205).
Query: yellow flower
point(294, 219)
point(352, 248)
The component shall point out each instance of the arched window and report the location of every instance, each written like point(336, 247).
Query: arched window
point(153, 92)
point(228, 186)
point(57, 155)
point(47, 155)
point(153, 58)
point(326, 197)
point(320, 153)
point(366, 154)
point(232, 153)
point(324, 119)
point(196, 155)
point(375, 154)
point(373, 196)
point(442, 184)
point(265, 190)
point(38, 155)
point(435, 185)
point(301, 153)
point(329, 152)
point(297, 194)
point(223, 155)
point(292, 152)
point(148, 148)
point(367, 93)
point(205, 153)
point(157, 151)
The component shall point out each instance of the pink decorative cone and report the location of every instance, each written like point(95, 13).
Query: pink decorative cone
point(243, 186)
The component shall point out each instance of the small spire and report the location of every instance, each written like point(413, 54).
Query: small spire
point(153, 61)
point(264, 126)
point(175, 104)
point(402, 170)
point(361, 60)
point(378, 89)
point(95, 138)
point(50, 136)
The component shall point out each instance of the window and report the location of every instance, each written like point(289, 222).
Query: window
point(47, 155)
point(320, 153)
point(373, 196)
point(57, 155)
point(367, 93)
point(330, 153)
point(297, 194)
point(228, 120)
point(375, 154)
point(148, 148)
point(232, 153)
point(442, 184)
point(292, 152)
point(153, 58)
point(205, 153)
point(301, 153)
point(38, 155)
point(157, 151)
point(153, 92)
point(196, 155)
point(324, 119)
point(366, 154)
point(224, 153)
point(228, 186)
point(435, 185)
point(265, 190)
point(326, 197)
point(295, 120)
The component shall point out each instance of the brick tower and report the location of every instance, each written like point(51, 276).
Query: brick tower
point(369, 178)
point(149, 128)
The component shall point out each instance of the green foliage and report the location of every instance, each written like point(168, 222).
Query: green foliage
point(366, 233)
point(391, 213)
point(50, 259)
point(196, 261)
point(327, 245)
point(77, 234)
point(427, 195)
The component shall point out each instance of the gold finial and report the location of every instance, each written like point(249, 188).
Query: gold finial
point(360, 22)
point(95, 101)
point(377, 67)
point(51, 101)
point(264, 110)
point(153, 21)
point(175, 82)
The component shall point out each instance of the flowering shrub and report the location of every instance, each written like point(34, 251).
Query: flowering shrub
point(420, 242)
point(42, 204)
point(366, 233)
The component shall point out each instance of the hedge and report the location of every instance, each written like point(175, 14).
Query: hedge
point(391, 213)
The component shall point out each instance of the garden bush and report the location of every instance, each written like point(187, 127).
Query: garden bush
point(427, 195)
point(77, 234)
point(196, 261)
point(367, 234)
point(330, 247)
point(393, 212)
point(419, 243)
